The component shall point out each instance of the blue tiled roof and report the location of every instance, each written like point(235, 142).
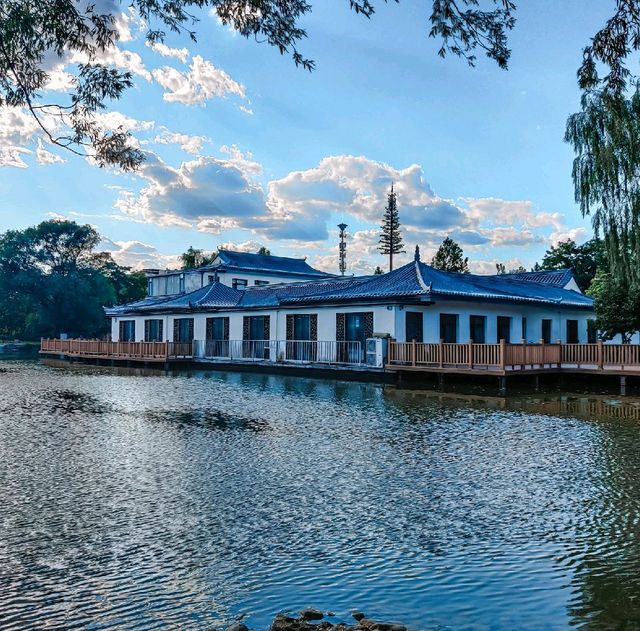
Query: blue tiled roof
point(269, 264)
point(557, 277)
point(501, 287)
point(415, 280)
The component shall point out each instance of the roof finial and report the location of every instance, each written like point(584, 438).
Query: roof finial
point(416, 256)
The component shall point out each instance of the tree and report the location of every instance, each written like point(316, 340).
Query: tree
point(617, 306)
point(390, 237)
point(194, 258)
point(450, 258)
point(264, 251)
point(501, 268)
point(585, 260)
point(52, 281)
point(378, 271)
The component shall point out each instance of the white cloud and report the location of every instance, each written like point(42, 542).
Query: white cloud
point(244, 246)
point(202, 82)
point(189, 144)
point(46, 157)
point(138, 255)
point(176, 53)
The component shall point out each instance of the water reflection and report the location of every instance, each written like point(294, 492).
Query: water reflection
point(133, 499)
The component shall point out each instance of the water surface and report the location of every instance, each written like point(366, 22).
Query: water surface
point(186, 501)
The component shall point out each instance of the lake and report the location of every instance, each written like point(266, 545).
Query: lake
point(185, 501)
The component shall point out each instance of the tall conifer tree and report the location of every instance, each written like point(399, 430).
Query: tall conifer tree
point(390, 237)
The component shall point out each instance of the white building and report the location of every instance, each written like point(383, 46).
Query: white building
point(333, 315)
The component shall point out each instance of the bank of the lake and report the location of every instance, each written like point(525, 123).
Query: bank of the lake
point(131, 500)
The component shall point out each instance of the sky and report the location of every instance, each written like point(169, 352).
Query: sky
point(244, 149)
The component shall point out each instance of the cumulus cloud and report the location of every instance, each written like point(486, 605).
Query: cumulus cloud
point(202, 82)
point(189, 144)
point(138, 255)
point(46, 157)
point(176, 53)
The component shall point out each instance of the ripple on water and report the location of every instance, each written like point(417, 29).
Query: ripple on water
point(186, 501)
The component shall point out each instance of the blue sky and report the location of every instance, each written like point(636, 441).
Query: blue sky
point(245, 149)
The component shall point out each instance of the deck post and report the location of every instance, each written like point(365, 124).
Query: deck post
point(524, 352)
point(623, 386)
point(502, 384)
point(413, 352)
point(470, 354)
point(440, 353)
point(536, 383)
point(600, 355)
point(559, 343)
point(503, 348)
point(440, 380)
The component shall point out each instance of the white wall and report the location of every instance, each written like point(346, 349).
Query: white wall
point(387, 320)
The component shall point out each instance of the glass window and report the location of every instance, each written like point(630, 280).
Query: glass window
point(546, 331)
point(261, 283)
point(211, 279)
point(572, 332)
point(449, 327)
point(524, 329)
point(181, 284)
point(477, 328)
point(215, 328)
point(183, 330)
point(239, 283)
point(504, 329)
point(153, 330)
point(127, 330)
point(256, 328)
point(413, 326)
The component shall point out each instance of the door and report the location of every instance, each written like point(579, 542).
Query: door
point(256, 345)
point(572, 332)
point(302, 346)
point(217, 337)
point(477, 328)
point(504, 329)
point(546, 331)
point(413, 326)
point(449, 328)
point(355, 332)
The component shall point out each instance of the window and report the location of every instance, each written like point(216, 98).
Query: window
point(477, 328)
point(572, 332)
point(449, 327)
point(546, 331)
point(239, 283)
point(181, 284)
point(592, 332)
point(524, 329)
point(149, 287)
point(413, 326)
point(217, 333)
point(127, 331)
point(183, 330)
point(504, 329)
point(211, 279)
point(153, 331)
point(260, 283)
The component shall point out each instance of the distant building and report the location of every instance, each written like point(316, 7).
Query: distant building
point(414, 302)
point(233, 269)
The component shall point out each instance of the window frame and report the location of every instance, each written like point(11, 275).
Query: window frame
point(472, 331)
point(239, 283)
point(451, 318)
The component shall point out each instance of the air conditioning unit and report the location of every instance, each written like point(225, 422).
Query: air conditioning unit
point(376, 352)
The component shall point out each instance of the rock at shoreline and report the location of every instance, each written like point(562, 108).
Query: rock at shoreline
point(357, 615)
point(309, 613)
point(238, 626)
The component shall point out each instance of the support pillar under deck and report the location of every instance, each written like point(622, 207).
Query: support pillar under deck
point(502, 384)
point(623, 386)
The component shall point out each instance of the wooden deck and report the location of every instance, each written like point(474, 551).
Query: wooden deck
point(119, 351)
point(509, 359)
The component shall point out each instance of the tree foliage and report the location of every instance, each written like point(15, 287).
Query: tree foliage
point(585, 260)
point(450, 257)
point(264, 251)
point(391, 238)
point(52, 281)
point(194, 258)
point(617, 306)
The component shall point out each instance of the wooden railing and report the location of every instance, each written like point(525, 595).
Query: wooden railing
point(523, 356)
point(117, 350)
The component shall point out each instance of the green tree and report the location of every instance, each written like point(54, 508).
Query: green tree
point(450, 257)
point(52, 281)
point(391, 237)
point(264, 251)
point(194, 258)
point(585, 260)
point(378, 271)
point(617, 306)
